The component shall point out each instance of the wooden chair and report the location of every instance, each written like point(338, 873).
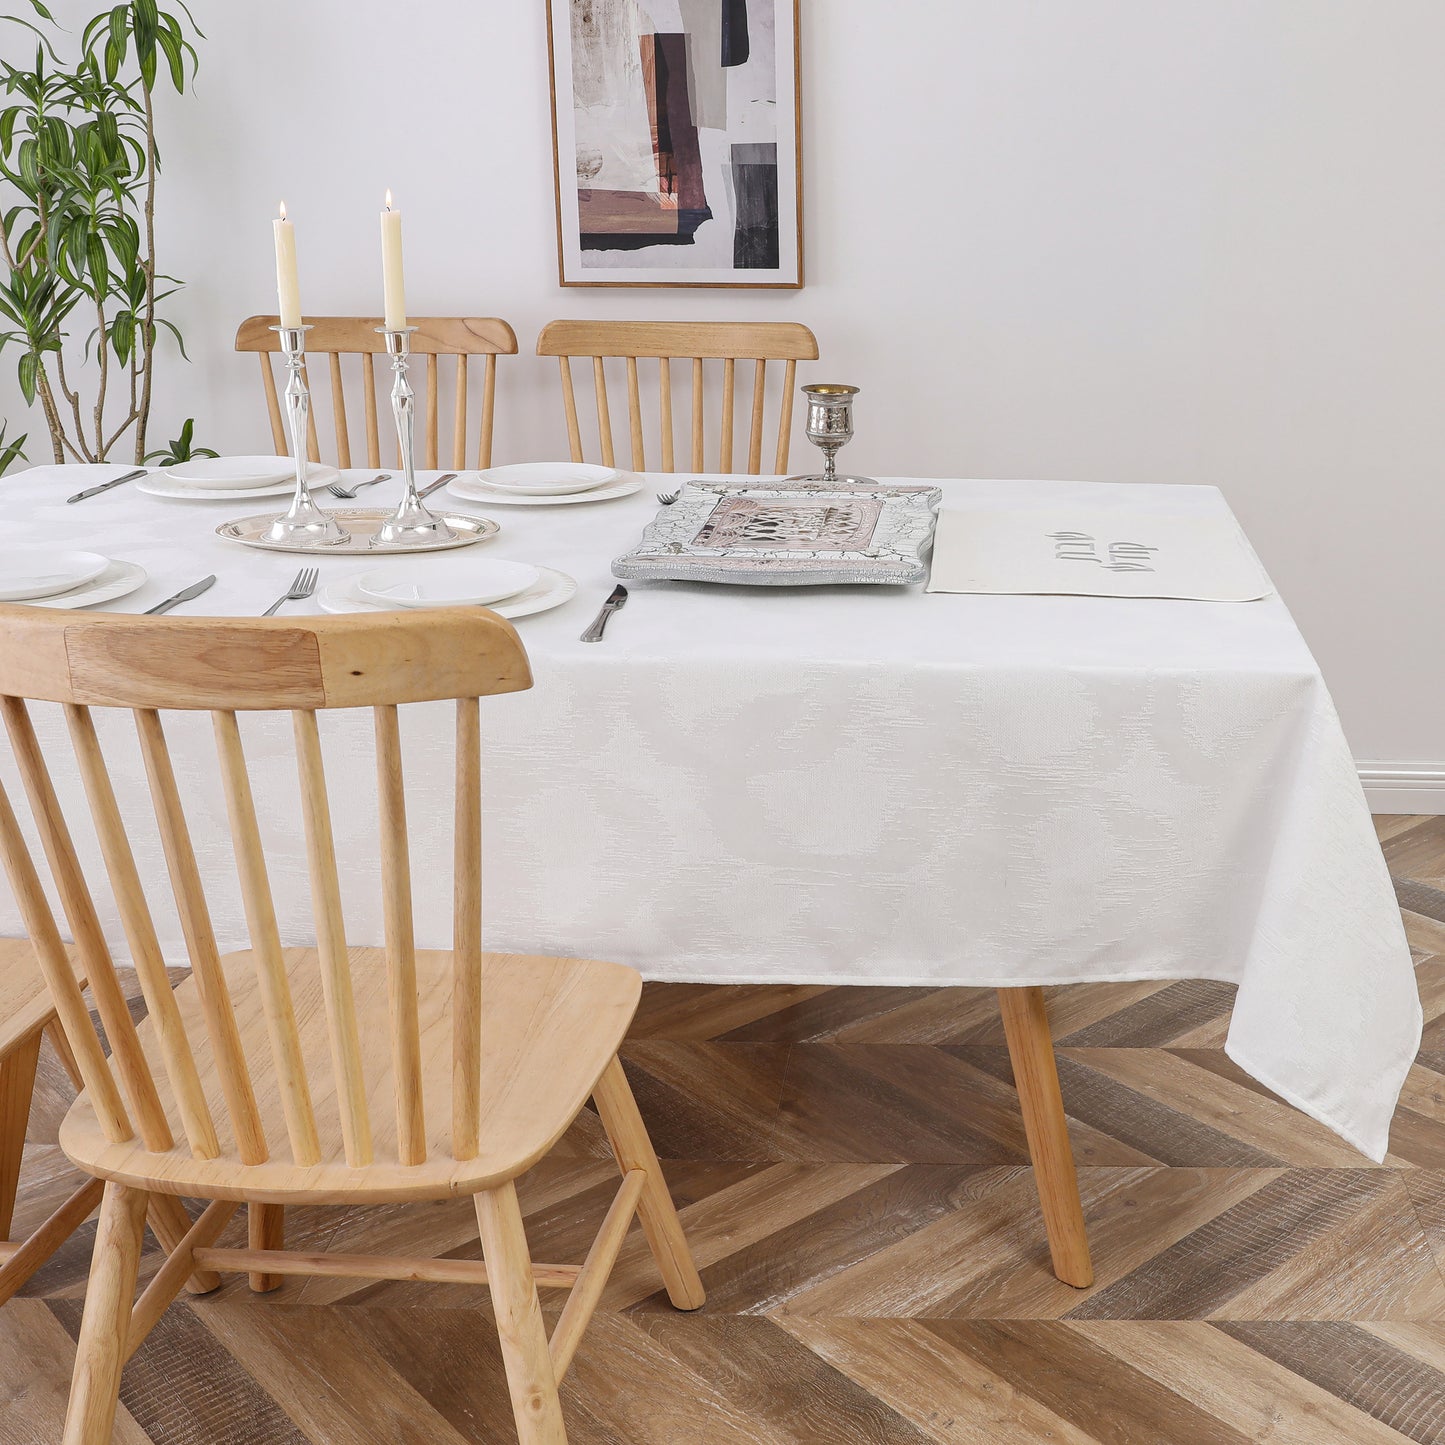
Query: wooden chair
point(436, 336)
point(697, 341)
point(332, 1075)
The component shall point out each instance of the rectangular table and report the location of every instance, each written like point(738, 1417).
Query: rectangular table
point(851, 785)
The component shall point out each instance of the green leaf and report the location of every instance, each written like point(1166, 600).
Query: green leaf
point(29, 371)
point(115, 46)
point(172, 48)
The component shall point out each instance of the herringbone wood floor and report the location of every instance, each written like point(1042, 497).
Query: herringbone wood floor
point(851, 1167)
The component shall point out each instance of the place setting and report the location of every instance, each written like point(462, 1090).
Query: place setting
point(512, 589)
point(546, 484)
point(224, 479)
point(65, 578)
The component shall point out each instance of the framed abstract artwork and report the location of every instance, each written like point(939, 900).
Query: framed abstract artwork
point(675, 129)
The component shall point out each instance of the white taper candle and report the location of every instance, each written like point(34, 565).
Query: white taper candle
point(393, 281)
point(288, 287)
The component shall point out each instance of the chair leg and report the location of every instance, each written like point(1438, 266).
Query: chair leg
point(265, 1229)
point(530, 1377)
point(95, 1385)
point(630, 1143)
point(1031, 1048)
point(170, 1224)
point(17, 1085)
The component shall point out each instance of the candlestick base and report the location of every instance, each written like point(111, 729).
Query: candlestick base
point(410, 524)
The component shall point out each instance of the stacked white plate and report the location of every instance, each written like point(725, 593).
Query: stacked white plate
point(228, 478)
point(545, 484)
point(514, 589)
point(59, 577)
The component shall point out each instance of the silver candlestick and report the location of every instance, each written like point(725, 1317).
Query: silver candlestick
point(304, 521)
point(829, 427)
point(412, 521)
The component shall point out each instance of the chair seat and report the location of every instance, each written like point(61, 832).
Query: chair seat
point(550, 1026)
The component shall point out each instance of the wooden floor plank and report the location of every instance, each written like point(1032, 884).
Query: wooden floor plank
point(986, 1258)
point(36, 1356)
point(1365, 1371)
point(326, 1376)
point(1201, 1274)
point(1085, 1384)
point(1251, 1392)
point(952, 1397)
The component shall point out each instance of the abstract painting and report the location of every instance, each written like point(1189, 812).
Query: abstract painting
point(675, 131)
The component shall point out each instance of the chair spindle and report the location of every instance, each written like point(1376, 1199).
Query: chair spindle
point(368, 402)
point(664, 410)
point(604, 415)
point(343, 1033)
point(459, 417)
point(396, 905)
point(140, 933)
point(467, 935)
point(725, 441)
point(338, 413)
point(697, 423)
point(195, 917)
point(273, 984)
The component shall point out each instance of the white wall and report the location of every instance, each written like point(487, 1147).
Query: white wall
point(1199, 241)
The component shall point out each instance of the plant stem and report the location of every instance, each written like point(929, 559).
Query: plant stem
point(104, 360)
point(147, 337)
point(59, 442)
point(73, 397)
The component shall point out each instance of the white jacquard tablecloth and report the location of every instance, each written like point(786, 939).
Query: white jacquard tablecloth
point(848, 785)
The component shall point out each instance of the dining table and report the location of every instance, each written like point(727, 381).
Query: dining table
point(832, 785)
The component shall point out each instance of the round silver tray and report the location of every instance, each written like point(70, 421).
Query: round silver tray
point(362, 523)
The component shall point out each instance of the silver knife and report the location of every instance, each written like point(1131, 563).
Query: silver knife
point(194, 590)
point(440, 482)
point(106, 486)
point(615, 601)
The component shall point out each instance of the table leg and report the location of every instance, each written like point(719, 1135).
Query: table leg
point(1031, 1048)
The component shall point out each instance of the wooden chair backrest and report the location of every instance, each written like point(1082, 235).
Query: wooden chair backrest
point(435, 336)
point(696, 341)
point(225, 666)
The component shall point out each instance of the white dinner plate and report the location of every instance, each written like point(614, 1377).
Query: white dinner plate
point(551, 589)
point(162, 484)
point(30, 572)
point(455, 581)
point(547, 479)
point(467, 490)
point(119, 579)
point(239, 474)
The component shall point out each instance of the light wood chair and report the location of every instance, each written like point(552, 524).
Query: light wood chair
point(436, 336)
point(697, 342)
point(332, 1075)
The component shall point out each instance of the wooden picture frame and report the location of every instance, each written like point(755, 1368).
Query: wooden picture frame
point(680, 202)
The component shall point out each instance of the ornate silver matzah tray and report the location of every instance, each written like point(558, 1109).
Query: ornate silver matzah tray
point(787, 534)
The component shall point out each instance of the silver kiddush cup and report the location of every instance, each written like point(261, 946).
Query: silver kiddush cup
point(829, 427)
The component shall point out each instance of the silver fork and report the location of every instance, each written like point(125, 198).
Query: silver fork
point(347, 493)
point(668, 498)
point(301, 589)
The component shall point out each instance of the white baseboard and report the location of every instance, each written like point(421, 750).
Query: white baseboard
point(1404, 787)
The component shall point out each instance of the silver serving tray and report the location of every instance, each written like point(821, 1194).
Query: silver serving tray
point(362, 523)
point(787, 534)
